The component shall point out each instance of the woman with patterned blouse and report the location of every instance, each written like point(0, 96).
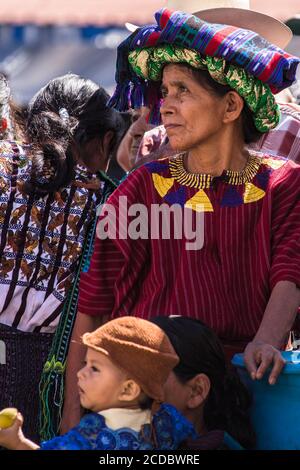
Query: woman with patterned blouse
point(49, 191)
point(214, 86)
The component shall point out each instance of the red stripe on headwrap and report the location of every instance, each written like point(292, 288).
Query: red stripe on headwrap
point(218, 38)
point(153, 38)
point(166, 15)
point(267, 72)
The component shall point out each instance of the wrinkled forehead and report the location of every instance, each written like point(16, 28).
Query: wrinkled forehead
point(173, 73)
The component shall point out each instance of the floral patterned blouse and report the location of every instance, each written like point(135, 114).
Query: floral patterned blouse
point(41, 240)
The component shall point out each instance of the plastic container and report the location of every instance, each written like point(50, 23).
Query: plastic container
point(276, 408)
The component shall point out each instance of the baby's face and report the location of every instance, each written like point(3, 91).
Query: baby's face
point(100, 382)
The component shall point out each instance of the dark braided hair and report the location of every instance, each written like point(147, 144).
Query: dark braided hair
point(62, 117)
point(97, 118)
point(200, 351)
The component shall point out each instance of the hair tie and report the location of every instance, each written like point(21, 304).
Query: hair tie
point(64, 115)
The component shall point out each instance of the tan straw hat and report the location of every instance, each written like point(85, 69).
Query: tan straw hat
point(237, 13)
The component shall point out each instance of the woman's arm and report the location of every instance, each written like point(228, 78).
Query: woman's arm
point(284, 277)
point(276, 324)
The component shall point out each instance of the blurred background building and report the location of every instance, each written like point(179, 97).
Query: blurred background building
point(40, 40)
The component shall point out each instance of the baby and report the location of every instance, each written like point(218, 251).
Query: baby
point(128, 361)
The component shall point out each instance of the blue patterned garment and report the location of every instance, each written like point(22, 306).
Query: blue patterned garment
point(170, 427)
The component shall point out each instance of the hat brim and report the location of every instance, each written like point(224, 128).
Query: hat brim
point(131, 27)
point(266, 26)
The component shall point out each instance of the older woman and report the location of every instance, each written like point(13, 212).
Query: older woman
point(216, 83)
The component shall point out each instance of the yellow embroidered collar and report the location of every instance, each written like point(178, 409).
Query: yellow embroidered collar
point(204, 180)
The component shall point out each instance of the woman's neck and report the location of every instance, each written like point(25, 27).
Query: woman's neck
point(195, 416)
point(217, 155)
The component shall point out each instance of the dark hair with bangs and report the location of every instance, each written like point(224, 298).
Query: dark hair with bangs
point(200, 352)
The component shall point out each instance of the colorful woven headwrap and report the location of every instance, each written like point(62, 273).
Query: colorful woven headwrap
point(148, 64)
point(247, 62)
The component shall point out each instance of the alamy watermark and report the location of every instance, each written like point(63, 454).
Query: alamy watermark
point(159, 221)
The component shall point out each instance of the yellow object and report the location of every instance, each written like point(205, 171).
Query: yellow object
point(162, 185)
point(274, 162)
point(7, 417)
point(252, 193)
point(200, 202)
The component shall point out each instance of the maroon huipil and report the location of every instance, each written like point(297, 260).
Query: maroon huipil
point(251, 242)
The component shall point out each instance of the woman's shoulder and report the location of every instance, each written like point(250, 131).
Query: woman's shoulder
point(152, 170)
point(283, 178)
point(147, 169)
point(137, 183)
point(285, 165)
point(280, 169)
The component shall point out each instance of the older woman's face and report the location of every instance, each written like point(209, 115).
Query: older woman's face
point(176, 393)
point(191, 114)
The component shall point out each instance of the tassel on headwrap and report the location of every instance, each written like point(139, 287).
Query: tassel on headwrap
point(138, 92)
point(121, 97)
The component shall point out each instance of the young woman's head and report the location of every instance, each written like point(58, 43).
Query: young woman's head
point(99, 131)
point(201, 386)
point(69, 122)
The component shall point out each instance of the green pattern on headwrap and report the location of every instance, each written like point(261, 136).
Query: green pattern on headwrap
point(149, 62)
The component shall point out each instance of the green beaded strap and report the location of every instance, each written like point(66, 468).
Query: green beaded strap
point(51, 387)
